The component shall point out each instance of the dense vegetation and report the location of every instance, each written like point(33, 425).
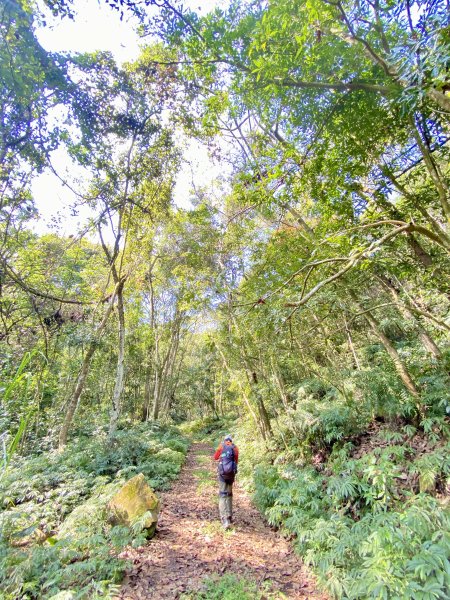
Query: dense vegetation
point(55, 531)
point(306, 293)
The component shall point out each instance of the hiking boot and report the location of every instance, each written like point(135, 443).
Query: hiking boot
point(226, 523)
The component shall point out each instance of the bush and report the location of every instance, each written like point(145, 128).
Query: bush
point(363, 520)
point(62, 496)
point(208, 428)
point(230, 587)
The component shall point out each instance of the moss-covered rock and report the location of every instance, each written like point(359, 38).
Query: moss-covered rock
point(135, 501)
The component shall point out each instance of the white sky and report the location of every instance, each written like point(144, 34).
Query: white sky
point(97, 27)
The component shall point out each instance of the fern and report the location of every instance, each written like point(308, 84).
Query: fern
point(431, 467)
point(68, 492)
point(341, 488)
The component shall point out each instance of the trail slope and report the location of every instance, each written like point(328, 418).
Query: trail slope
point(190, 544)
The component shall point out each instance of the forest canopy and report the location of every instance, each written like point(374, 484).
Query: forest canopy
point(305, 295)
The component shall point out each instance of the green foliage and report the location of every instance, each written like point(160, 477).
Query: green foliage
point(86, 567)
point(433, 469)
point(209, 429)
point(54, 531)
point(310, 299)
point(361, 522)
point(322, 423)
point(230, 587)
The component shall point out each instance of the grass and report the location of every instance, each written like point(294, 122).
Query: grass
point(230, 587)
point(205, 478)
point(205, 481)
point(213, 528)
point(204, 459)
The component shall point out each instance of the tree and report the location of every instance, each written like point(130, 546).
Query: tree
point(133, 158)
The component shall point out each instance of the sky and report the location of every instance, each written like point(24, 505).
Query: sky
point(97, 27)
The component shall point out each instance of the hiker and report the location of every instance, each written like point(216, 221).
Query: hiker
point(227, 454)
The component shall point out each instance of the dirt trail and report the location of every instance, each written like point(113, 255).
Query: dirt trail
point(190, 544)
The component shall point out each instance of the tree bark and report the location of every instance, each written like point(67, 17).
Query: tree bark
point(82, 376)
point(263, 417)
point(426, 339)
point(147, 393)
point(280, 385)
point(433, 170)
point(401, 369)
point(241, 387)
point(390, 349)
point(156, 395)
point(119, 384)
point(164, 373)
point(120, 282)
point(165, 391)
point(440, 98)
point(351, 346)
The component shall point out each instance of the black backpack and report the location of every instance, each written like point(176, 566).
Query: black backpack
point(227, 464)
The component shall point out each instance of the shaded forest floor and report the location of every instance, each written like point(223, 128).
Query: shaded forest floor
point(191, 546)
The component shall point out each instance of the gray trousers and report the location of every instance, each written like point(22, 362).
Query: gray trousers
point(225, 500)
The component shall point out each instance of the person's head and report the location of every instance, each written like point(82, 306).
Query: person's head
point(228, 439)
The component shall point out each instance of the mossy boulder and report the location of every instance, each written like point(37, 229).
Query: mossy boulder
point(135, 501)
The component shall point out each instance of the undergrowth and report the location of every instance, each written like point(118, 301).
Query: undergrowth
point(362, 492)
point(208, 429)
point(230, 587)
point(369, 514)
point(55, 541)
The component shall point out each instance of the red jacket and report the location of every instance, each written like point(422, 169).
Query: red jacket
point(220, 448)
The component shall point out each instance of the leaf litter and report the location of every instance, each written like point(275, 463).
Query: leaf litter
point(190, 544)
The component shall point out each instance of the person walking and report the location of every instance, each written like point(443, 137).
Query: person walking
point(228, 455)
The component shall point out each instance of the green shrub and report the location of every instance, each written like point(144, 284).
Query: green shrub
point(230, 587)
point(208, 429)
point(357, 517)
point(63, 495)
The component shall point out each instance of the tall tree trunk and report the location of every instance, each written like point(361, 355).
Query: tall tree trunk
point(156, 395)
point(280, 385)
point(400, 367)
point(263, 417)
point(419, 251)
point(120, 282)
point(82, 376)
point(426, 339)
point(119, 383)
point(434, 171)
point(147, 393)
point(284, 397)
point(164, 373)
point(327, 345)
point(351, 346)
point(168, 372)
point(218, 397)
point(243, 392)
point(174, 380)
point(391, 350)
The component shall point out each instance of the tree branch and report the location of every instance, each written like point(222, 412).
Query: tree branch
point(352, 261)
point(33, 291)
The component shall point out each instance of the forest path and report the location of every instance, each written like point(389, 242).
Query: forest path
point(191, 545)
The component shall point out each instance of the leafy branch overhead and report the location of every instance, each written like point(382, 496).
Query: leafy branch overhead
point(299, 300)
